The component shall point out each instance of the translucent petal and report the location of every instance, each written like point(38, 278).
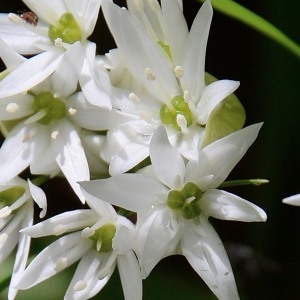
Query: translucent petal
point(292, 200)
point(205, 252)
point(226, 206)
point(39, 198)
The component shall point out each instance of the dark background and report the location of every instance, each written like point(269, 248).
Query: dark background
point(265, 256)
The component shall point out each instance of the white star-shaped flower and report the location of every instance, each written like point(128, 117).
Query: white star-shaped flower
point(161, 66)
point(173, 200)
point(99, 239)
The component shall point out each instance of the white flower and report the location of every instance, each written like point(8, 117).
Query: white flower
point(174, 200)
point(292, 200)
point(100, 239)
point(161, 65)
point(61, 26)
point(16, 212)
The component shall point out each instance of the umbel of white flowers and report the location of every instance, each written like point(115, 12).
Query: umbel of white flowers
point(147, 107)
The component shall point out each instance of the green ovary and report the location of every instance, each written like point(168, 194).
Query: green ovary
point(10, 196)
point(103, 237)
point(53, 107)
point(186, 201)
point(68, 29)
point(169, 115)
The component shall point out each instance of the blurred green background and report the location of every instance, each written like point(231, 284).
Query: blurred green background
point(265, 257)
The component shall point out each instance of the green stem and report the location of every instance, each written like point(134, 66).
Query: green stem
point(244, 15)
point(240, 182)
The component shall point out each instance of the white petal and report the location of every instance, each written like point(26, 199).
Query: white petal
point(166, 160)
point(212, 95)
point(292, 200)
point(71, 159)
point(39, 198)
point(227, 206)
point(157, 237)
point(62, 223)
point(205, 252)
point(176, 29)
point(195, 48)
point(70, 248)
point(10, 58)
point(30, 73)
point(219, 158)
point(86, 272)
point(131, 191)
point(130, 274)
point(86, 14)
point(65, 77)
point(16, 152)
point(22, 252)
point(18, 37)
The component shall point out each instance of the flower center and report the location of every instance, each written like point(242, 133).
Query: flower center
point(48, 108)
point(67, 29)
point(186, 200)
point(176, 114)
point(10, 196)
point(103, 237)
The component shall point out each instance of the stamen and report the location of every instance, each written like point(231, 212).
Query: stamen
point(182, 123)
point(58, 43)
point(5, 212)
point(150, 74)
point(87, 232)
point(72, 111)
point(12, 107)
point(190, 199)
point(106, 270)
point(154, 5)
point(134, 98)
point(38, 116)
point(178, 71)
point(54, 134)
point(14, 18)
point(3, 238)
point(186, 96)
point(79, 286)
point(99, 244)
point(59, 229)
point(60, 264)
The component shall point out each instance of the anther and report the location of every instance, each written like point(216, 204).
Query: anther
point(134, 98)
point(87, 232)
point(79, 286)
point(182, 123)
point(59, 229)
point(178, 71)
point(60, 264)
point(150, 74)
point(58, 43)
point(54, 135)
point(72, 111)
point(12, 107)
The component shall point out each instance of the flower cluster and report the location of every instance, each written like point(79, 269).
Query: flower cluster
point(143, 135)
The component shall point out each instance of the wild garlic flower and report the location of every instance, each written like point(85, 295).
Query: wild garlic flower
point(59, 27)
point(292, 200)
point(173, 200)
point(16, 212)
point(163, 74)
point(99, 238)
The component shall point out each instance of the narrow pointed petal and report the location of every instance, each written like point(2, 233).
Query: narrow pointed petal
point(18, 37)
point(292, 200)
point(39, 198)
point(16, 152)
point(10, 58)
point(212, 95)
point(194, 56)
point(219, 158)
point(205, 252)
point(22, 252)
point(62, 223)
point(132, 285)
point(226, 206)
point(166, 160)
point(37, 69)
point(71, 159)
point(131, 191)
point(86, 272)
point(54, 258)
